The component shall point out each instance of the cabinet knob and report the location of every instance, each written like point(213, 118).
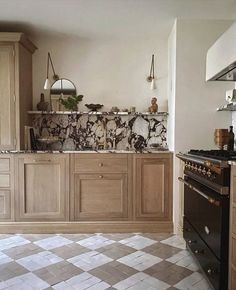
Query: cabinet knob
point(199, 251)
point(191, 242)
point(100, 176)
point(101, 164)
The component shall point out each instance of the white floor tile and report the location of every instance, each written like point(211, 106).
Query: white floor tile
point(175, 241)
point(11, 242)
point(38, 261)
point(53, 242)
point(139, 260)
point(90, 260)
point(138, 242)
point(95, 242)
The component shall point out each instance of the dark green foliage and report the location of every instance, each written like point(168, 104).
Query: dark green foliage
point(71, 102)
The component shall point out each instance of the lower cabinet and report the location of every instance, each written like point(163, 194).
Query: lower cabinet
point(42, 187)
point(6, 188)
point(153, 187)
point(100, 196)
point(5, 204)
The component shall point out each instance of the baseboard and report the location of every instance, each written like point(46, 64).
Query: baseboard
point(85, 227)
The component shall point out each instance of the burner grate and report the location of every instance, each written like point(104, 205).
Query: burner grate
point(217, 154)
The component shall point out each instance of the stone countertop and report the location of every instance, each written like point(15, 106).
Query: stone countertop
point(145, 151)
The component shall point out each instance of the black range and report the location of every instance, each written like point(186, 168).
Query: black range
point(206, 211)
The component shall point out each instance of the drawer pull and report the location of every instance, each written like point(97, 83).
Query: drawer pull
point(101, 164)
point(100, 176)
point(191, 242)
point(211, 271)
point(199, 251)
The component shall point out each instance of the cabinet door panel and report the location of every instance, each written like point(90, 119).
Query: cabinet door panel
point(5, 204)
point(152, 181)
point(7, 91)
point(42, 188)
point(101, 196)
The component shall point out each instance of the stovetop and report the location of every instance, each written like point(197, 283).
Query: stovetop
point(215, 154)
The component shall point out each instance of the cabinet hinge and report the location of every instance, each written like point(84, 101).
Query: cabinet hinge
point(14, 98)
point(13, 52)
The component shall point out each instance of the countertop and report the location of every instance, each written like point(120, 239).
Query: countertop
point(144, 151)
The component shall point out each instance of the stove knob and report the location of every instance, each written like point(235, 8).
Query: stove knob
point(192, 166)
point(209, 173)
point(196, 168)
point(200, 169)
point(204, 171)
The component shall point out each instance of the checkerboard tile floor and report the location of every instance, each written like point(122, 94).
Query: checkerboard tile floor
point(97, 262)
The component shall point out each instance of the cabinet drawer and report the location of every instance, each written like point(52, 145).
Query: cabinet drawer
point(5, 180)
point(100, 164)
point(4, 164)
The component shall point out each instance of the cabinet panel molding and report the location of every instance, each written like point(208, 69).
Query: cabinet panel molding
point(101, 196)
point(5, 204)
point(153, 187)
point(43, 187)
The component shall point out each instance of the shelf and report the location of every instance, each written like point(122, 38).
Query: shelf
point(96, 113)
point(228, 107)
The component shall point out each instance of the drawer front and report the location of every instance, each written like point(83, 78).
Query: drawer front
point(4, 164)
point(101, 165)
point(5, 180)
point(101, 197)
point(209, 263)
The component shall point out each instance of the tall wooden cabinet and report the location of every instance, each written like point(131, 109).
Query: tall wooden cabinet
point(15, 88)
point(153, 187)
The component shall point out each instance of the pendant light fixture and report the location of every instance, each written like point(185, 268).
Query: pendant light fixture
point(47, 84)
point(151, 77)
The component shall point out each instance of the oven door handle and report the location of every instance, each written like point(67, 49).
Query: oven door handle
point(209, 199)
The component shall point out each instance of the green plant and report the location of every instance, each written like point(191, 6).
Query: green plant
point(71, 102)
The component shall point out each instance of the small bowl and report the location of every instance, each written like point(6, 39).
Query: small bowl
point(94, 107)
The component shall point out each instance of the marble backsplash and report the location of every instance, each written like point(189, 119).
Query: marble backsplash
point(84, 131)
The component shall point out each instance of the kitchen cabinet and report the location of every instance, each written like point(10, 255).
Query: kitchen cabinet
point(100, 187)
point(15, 88)
point(153, 187)
point(6, 188)
point(42, 187)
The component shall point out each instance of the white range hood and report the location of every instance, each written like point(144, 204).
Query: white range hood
point(221, 57)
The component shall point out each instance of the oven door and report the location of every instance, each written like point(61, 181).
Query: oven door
point(203, 208)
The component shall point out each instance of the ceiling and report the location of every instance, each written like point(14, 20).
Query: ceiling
point(107, 18)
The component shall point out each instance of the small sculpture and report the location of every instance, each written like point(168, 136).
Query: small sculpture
point(42, 105)
point(154, 107)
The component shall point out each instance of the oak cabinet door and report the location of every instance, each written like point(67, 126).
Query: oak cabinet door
point(5, 205)
point(42, 187)
point(100, 196)
point(7, 91)
point(152, 187)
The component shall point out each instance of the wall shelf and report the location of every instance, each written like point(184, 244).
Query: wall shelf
point(228, 107)
point(96, 113)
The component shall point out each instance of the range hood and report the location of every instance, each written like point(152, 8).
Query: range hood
point(221, 57)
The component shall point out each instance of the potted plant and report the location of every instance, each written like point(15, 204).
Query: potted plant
point(71, 103)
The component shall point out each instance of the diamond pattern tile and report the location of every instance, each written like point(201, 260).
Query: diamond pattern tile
point(137, 242)
point(95, 242)
point(97, 261)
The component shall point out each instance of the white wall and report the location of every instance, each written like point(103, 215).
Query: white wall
point(195, 100)
point(111, 72)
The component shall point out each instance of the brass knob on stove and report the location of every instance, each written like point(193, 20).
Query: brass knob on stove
point(200, 169)
point(204, 171)
point(209, 173)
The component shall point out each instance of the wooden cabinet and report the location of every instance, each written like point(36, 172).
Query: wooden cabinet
point(15, 88)
point(42, 187)
point(153, 186)
point(100, 187)
point(6, 187)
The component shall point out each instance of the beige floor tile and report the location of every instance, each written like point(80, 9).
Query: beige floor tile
point(23, 251)
point(69, 251)
point(11, 270)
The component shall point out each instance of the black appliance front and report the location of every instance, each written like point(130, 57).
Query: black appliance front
point(206, 225)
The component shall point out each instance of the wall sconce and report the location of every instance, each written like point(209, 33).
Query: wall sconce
point(47, 84)
point(151, 77)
